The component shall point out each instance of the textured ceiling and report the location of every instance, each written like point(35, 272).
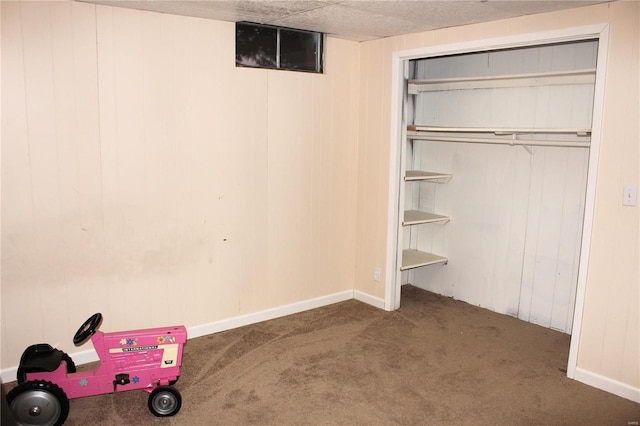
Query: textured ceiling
point(358, 20)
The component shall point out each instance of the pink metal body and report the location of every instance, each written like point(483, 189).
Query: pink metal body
point(136, 359)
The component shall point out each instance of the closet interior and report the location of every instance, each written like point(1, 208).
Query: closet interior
point(494, 171)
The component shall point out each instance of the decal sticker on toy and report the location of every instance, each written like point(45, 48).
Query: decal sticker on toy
point(129, 342)
point(166, 339)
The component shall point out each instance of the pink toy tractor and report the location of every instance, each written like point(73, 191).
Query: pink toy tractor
point(147, 359)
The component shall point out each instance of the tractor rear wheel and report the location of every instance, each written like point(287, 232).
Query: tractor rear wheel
point(38, 403)
point(165, 401)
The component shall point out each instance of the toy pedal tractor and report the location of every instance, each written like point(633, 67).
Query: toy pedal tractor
point(148, 359)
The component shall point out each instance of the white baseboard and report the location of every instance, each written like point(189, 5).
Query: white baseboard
point(84, 357)
point(8, 374)
point(268, 314)
point(368, 299)
point(607, 384)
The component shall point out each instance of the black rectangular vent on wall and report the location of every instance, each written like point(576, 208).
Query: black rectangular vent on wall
point(267, 46)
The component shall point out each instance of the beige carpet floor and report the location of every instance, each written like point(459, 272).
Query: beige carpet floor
point(435, 361)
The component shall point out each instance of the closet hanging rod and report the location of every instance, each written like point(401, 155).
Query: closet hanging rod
point(501, 130)
point(436, 138)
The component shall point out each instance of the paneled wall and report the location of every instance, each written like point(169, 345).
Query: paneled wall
point(146, 177)
point(608, 355)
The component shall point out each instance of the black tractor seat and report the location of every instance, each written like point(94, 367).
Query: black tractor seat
point(42, 357)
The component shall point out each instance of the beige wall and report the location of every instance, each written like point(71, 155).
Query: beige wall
point(609, 343)
point(146, 177)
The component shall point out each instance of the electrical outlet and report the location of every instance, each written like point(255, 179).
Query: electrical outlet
point(376, 274)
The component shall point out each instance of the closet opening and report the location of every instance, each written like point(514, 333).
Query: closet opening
point(494, 158)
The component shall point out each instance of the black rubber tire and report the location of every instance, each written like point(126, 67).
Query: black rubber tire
point(38, 403)
point(164, 401)
point(87, 329)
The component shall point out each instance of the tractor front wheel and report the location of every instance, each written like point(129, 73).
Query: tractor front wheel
point(38, 403)
point(165, 401)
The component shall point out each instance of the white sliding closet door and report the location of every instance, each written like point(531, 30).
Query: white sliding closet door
point(514, 238)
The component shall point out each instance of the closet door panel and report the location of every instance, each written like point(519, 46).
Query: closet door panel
point(543, 228)
point(494, 224)
point(468, 258)
point(513, 200)
point(553, 234)
point(570, 240)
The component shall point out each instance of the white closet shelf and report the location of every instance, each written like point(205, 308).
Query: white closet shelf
point(583, 76)
point(416, 217)
point(415, 259)
point(412, 175)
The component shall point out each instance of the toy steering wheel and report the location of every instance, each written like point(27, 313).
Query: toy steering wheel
point(87, 329)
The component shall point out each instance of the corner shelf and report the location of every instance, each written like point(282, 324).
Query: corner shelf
point(416, 217)
point(414, 259)
point(413, 175)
